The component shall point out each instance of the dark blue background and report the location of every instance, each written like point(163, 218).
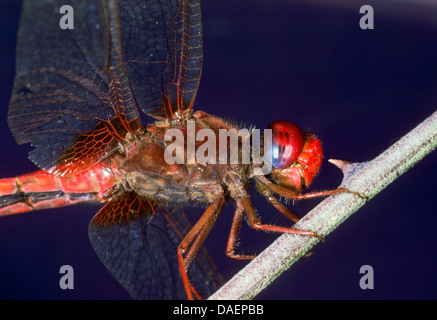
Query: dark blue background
point(359, 91)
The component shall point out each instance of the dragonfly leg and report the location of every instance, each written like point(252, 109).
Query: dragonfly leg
point(275, 203)
point(291, 194)
point(256, 223)
point(233, 234)
point(181, 224)
point(286, 212)
point(193, 241)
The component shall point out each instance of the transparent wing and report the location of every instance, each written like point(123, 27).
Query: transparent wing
point(119, 56)
point(138, 246)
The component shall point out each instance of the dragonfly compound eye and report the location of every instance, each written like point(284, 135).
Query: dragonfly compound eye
point(287, 144)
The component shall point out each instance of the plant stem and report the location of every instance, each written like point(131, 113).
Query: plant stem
point(368, 178)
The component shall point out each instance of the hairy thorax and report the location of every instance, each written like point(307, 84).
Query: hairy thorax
point(144, 168)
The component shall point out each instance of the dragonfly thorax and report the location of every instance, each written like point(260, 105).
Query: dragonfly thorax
point(183, 161)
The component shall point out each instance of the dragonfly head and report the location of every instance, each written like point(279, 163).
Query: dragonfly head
point(296, 157)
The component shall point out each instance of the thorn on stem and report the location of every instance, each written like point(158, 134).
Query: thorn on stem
point(344, 166)
point(348, 168)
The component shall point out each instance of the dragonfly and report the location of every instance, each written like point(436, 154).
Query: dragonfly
point(80, 98)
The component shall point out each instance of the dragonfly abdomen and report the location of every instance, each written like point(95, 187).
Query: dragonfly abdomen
point(41, 190)
point(20, 202)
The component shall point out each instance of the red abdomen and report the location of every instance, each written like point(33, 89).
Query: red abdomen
point(41, 190)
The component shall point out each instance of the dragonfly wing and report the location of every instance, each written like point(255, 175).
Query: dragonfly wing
point(163, 57)
point(138, 246)
point(117, 56)
point(68, 81)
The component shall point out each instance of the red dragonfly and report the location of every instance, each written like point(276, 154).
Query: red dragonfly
point(76, 99)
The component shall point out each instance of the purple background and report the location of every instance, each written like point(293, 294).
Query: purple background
point(359, 91)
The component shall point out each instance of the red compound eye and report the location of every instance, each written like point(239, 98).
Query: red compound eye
point(287, 144)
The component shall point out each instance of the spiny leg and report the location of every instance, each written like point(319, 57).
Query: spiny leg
point(291, 194)
point(194, 240)
point(179, 226)
point(233, 235)
point(255, 223)
point(285, 211)
point(275, 203)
